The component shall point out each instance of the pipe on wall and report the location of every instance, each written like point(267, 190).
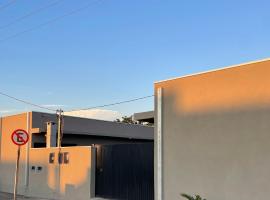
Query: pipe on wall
point(159, 146)
point(26, 183)
point(0, 136)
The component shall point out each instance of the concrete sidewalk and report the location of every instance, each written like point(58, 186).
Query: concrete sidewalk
point(7, 196)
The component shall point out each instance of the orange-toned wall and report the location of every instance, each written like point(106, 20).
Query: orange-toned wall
point(9, 152)
point(77, 179)
point(230, 88)
point(215, 131)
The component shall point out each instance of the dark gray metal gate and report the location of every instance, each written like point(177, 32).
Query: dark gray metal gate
point(125, 171)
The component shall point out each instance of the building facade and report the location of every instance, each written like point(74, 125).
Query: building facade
point(212, 134)
point(69, 172)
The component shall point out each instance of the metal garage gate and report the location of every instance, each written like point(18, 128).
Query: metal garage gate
point(125, 171)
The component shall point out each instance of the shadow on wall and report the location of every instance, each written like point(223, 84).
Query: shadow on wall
point(73, 179)
point(220, 152)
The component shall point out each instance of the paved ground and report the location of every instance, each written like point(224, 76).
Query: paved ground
point(6, 196)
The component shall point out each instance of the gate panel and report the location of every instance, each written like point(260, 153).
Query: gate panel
point(125, 171)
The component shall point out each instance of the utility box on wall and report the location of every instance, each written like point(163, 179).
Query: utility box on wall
point(49, 172)
point(68, 173)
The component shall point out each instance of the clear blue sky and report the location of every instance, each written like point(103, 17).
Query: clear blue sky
point(115, 49)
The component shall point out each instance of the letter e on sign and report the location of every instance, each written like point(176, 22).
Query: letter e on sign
point(19, 137)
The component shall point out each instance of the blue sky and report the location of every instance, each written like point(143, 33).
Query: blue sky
point(116, 49)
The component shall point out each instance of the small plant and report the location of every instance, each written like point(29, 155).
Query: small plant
point(189, 197)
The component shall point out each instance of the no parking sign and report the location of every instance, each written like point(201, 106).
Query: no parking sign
point(19, 137)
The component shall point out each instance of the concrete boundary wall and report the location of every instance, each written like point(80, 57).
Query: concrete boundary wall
point(68, 176)
point(35, 124)
point(215, 134)
point(9, 153)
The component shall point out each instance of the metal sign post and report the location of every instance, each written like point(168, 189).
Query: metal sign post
point(19, 137)
point(17, 173)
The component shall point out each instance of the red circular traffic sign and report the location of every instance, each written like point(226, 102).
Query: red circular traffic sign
point(19, 137)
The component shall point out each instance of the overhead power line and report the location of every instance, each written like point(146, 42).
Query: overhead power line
point(38, 10)
point(89, 108)
point(7, 4)
point(50, 21)
point(26, 102)
point(113, 104)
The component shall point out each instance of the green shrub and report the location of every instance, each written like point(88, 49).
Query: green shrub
point(189, 197)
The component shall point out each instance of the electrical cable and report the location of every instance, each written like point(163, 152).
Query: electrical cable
point(89, 108)
point(113, 104)
point(38, 10)
point(7, 4)
point(26, 102)
point(50, 21)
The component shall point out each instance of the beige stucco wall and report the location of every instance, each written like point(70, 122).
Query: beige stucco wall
point(9, 153)
point(216, 134)
point(75, 180)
